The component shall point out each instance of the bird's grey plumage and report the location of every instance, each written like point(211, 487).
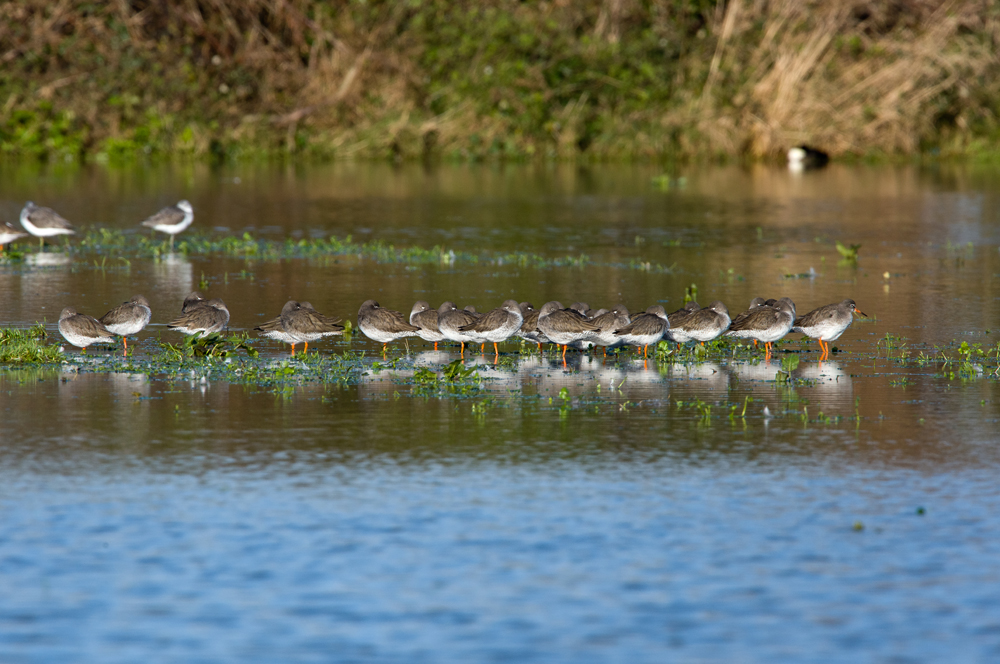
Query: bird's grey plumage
point(675, 317)
point(609, 323)
point(529, 325)
point(646, 328)
point(202, 319)
point(828, 322)
point(736, 328)
point(193, 300)
point(129, 317)
point(299, 322)
point(43, 222)
point(565, 327)
point(426, 319)
point(702, 325)
point(383, 325)
point(304, 324)
point(453, 318)
point(172, 219)
point(82, 330)
point(497, 324)
point(273, 329)
point(9, 234)
point(766, 323)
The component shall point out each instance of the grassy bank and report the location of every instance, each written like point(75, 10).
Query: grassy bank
point(438, 78)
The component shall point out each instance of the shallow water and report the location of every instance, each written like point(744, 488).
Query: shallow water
point(605, 510)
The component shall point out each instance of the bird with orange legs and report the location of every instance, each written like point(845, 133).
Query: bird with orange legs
point(383, 325)
point(645, 329)
point(765, 323)
point(827, 323)
point(565, 327)
point(496, 325)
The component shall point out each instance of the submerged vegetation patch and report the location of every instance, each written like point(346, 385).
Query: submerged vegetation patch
point(213, 345)
point(110, 249)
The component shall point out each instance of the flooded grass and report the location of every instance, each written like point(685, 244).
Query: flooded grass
point(213, 345)
point(19, 347)
point(106, 249)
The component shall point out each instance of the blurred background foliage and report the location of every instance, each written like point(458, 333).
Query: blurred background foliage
point(602, 80)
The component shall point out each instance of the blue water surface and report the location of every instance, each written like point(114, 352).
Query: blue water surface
point(320, 558)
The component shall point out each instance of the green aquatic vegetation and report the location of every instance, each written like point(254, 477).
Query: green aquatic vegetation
point(666, 183)
point(200, 243)
point(968, 249)
point(211, 346)
point(736, 406)
point(699, 352)
point(456, 372)
point(27, 346)
point(425, 376)
point(123, 266)
point(103, 240)
point(702, 408)
point(968, 366)
point(454, 379)
point(895, 346)
point(480, 408)
point(10, 255)
point(664, 353)
point(386, 365)
point(567, 403)
point(848, 253)
point(789, 363)
point(823, 418)
point(508, 362)
point(722, 348)
point(730, 276)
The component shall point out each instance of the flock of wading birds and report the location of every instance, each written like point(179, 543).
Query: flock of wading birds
point(578, 326)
